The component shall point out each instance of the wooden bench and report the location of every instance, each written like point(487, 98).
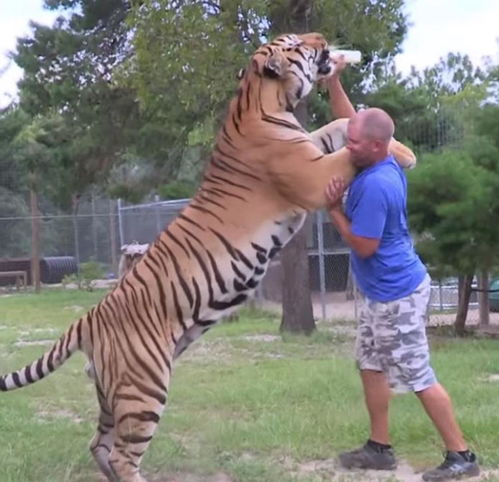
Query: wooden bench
point(20, 277)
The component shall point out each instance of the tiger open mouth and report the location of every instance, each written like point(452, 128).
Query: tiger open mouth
point(324, 66)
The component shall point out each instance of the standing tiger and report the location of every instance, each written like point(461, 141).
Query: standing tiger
point(264, 175)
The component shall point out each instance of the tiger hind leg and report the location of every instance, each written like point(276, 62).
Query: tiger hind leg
point(135, 423)
point(103, 441)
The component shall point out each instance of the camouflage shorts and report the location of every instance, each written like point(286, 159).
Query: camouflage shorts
point(391, 338)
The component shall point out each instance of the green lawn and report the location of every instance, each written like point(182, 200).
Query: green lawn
point(243, 401)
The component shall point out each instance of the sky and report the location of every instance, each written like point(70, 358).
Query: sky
point(436, 28)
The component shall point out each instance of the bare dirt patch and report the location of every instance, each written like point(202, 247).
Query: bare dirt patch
point(47, 416)
point(186, 477)
point(330, 470)
point(36, 331)
point(326, 470)
point(74, 308)
point(212, 351)
point(261, 338)
point(22, 343)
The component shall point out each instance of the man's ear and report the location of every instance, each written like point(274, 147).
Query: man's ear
point(275, 65)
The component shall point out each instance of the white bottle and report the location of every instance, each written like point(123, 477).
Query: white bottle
point(351, 56)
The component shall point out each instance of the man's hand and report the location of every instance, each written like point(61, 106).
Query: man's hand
point(364, 247)
point(339, 64)
point(338, 100)
point(334, 193)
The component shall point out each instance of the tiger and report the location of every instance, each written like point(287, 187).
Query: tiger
point(264, 175)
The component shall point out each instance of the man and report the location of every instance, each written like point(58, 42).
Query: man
point(392, 349)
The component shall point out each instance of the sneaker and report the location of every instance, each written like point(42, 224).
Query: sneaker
point(367, 457)
point(454, 466)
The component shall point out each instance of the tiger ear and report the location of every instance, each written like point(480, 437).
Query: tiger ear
point(275, 65)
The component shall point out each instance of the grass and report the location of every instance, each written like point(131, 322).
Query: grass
point(244, 401)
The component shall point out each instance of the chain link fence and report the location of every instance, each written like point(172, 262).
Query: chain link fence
point(89, 235)
point(141, 223)
point(333, 291)
point(102, 226)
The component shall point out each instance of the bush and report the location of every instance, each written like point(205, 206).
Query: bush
point(85, 278)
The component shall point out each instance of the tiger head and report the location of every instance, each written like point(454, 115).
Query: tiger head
point(295, 61)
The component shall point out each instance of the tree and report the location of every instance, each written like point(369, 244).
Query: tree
point(69, 74)
point(297, 309)
point(465, 127)
point(301, 16)
point(13, 239)
point(453, 208)
point(12, 120)
point(213, 40)
point(428, 106)
point(32, 153)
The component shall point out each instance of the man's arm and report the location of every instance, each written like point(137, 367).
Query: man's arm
point(338, 99)
point(363, 246)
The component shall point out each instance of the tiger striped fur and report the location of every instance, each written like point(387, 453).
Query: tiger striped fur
point(264, 175)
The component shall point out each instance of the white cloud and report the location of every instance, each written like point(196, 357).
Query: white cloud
point(14, 23)
point(439, 27)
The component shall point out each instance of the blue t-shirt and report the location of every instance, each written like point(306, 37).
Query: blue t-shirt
point(376, 207)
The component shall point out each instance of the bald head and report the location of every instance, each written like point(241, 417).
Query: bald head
point(374, 124)
point(369, 133)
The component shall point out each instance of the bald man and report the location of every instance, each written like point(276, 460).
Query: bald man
point(392, 349)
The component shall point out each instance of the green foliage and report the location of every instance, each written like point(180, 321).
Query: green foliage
point(188, 53)
point(177, 190)
point(449, 76)
point(487, 123)
point(68, 78)
point(432, 108)
point(35, 148)
point(453, 207)
point(84, 76)
point(12, 121)
point(86, 277)
point(14, 232)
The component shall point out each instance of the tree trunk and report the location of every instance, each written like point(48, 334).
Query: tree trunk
point(483, 297)
point(35, 239)
point(464, 293)
point(297, 313)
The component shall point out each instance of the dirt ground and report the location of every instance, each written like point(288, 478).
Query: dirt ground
point(337, 307)
point(328, 470)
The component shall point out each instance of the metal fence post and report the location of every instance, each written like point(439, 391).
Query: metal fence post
point(157, 213)
point(440, 295)
point(95, 236)
point(112, 234)
point(120, 224)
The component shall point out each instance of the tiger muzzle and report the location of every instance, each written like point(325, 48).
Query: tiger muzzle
point(324, 67)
